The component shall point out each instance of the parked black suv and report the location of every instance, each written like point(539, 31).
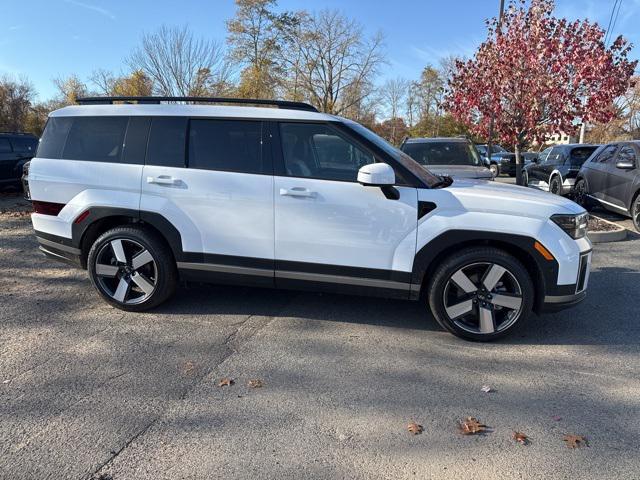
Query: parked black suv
point(503, 161)
point(15, 150)
point(611, 178)
point(557, 169)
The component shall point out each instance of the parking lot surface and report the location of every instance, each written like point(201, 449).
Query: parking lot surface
point(90, 391)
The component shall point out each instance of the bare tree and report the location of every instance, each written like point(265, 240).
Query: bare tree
point(331, 58)
point(16, 98)
point(394, 92)
point(256, 38)
point(175, 61)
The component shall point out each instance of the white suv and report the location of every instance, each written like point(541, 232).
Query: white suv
point(144, 194)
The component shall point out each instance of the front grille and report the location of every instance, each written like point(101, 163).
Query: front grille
point(583, 272)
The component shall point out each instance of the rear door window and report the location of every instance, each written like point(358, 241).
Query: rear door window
point(96, 139)
point(167, 142)
point(226, 145)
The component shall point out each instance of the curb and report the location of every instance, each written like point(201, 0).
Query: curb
point(606, 237)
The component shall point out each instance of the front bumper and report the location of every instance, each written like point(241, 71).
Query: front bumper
point(565, 296)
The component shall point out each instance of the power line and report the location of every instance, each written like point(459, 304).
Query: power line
point(611, 24)
point(615, 19)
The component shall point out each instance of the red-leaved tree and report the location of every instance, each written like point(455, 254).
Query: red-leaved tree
point(538, 75)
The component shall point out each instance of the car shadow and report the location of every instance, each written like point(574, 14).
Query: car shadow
point(605, 317)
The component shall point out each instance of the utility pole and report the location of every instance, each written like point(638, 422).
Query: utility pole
point(491, 122)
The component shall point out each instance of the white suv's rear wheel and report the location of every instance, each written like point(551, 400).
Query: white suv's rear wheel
point(132, 268)
point(481, 293)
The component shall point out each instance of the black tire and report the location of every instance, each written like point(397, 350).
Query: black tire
point(635, 212)
point(146, 285)
point(495, 170)
point(525, 178)
point(512, 174)
point(555, 186)
point(474, 261)
point(580, 192)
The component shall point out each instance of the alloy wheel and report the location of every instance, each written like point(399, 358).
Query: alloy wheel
point(126, 271)
point(483, 298)
point(554, 186)
point(493, 168)
point(581, 193)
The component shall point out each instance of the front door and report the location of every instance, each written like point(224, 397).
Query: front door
point(619, 181)
point(331, 230)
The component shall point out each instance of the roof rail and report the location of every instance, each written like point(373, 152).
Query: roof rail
point(156, 100)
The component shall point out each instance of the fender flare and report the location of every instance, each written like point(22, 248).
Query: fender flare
point(96, 214)
point(544, 272)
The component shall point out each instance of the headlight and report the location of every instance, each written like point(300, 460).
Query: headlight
point(574, 225)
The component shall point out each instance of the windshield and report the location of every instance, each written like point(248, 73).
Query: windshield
point(443, 153)
point(402, 158)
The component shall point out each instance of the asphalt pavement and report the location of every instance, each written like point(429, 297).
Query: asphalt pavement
point(87, 391)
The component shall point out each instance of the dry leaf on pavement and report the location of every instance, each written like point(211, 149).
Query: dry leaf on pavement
point(414, 428)
point(486, 389)
point(521, 438)
point(226, 382)
point(188, 368)
point(255, 383)
point(575, 441)
point(471, 426)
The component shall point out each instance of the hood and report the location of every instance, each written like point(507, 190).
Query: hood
point(461, 171)
point(503, 198)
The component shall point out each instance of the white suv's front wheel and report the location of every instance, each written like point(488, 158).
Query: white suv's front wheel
point(481, 293)
point(132, 268)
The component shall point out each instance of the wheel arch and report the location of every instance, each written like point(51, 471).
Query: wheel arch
point(542, 272)
point(101, 219)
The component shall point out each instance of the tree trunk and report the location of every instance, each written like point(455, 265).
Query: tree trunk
point(518, 164)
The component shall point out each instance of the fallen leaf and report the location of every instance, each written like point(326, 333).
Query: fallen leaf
point(521, 438)
point(188, 368)
point(6, 381)
point(575, 441)
point(556, 418)
point(471, 426)
point(414, 428)
point(486, 389)
point(255, 383)
point(226, 382)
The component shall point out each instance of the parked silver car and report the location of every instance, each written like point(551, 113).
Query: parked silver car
point(455, 157)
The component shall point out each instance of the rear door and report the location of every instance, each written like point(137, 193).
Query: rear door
point(619, 181)
point(219, 195)
point(329, 229)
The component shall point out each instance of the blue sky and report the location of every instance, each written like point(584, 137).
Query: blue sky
point(43, 39)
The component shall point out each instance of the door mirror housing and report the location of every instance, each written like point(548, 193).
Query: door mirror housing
point(625, 165)
point(376, 175)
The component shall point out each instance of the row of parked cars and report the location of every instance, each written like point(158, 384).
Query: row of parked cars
point(592, 175)
point(15, 150)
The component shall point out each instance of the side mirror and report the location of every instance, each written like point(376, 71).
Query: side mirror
point(376, 175)
point(625, 165)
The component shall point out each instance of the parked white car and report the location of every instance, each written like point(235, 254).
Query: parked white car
point(144, 194)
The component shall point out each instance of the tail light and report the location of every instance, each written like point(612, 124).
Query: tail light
point(47, 208)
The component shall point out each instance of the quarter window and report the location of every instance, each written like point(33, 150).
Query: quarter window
point(318, 151)
point(167, 142)
point(226, 145)
point(24, 145)
point(96, 139)
point(54, 137)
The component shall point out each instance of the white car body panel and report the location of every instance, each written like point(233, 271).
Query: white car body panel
point(345, 223)
point(221, 213)
point(80, 185)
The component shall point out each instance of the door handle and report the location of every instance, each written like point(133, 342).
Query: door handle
point(163, 180)
point(297, 192)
